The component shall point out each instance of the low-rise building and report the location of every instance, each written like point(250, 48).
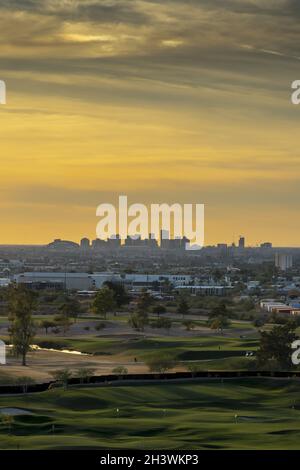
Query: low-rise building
point(86, 281)
point(207, 290)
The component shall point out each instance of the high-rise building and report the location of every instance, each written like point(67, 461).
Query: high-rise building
point(283, 261)
point(114, 241)
point(164, 239)
point(222, 246)
point(242, 242)
point(98, 244)
point(84, 243)
point(266, 245)
point(151, 242)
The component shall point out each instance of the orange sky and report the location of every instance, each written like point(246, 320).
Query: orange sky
point(153, 100)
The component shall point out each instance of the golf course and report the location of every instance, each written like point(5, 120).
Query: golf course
point(192, 414)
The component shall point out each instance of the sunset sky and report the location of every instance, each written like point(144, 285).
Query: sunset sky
point(166, 101)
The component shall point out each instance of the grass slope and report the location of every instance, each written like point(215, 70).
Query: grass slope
point(187, 415)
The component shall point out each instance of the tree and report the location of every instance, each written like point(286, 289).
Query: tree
point(63, 321)
point(120, 294)
point(275, 347)
point(161, 363)
point(62, 376)
point(46, 324)
point(144, 302)
point(217, 275)
point(183, 307)
point(56, 330)
point(100, 326)
point(70, 308)
point(219, 323)
point(104, 302)
point(219, 311)
point(22, 328)
point(120, 371)
point(8, 420)
point(189, 325)
point(138, 320)
point(84, 374)
point(159, 309)
point(259, 322)
point(25, 382)
point(162, 323)
point(166, 286)
point(193, 368)
point(218, 317)
point(247, 305)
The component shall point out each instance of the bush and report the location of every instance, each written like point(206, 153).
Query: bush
point(120, 371)
point(62, 376)
point(193, 368)
point(138, 320)
point(162, 323)
point(100, 326)
point(161, 363)
point(84, 374)
point(189, 325)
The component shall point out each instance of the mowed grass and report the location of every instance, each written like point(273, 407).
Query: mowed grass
point(142, 347)
point(197, 414)
point(212, 352)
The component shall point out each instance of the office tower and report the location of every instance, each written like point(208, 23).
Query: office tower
point(164, 239)
point(283, 262)
point(98, 244)
point(266, 245)
point(114, 241)
point(84, 243)
point(242, 242)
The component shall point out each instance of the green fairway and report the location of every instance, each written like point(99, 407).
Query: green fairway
point(141, 347)
point(186, 415)
point(212, 352)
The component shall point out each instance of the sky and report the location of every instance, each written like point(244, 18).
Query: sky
point(185, 101)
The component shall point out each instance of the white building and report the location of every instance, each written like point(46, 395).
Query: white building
point(283, 262)
point(209, 290)
point(56, 280)
point(4, 282)
point(85, 281)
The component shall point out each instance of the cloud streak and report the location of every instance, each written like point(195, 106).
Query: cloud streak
point(150, 94)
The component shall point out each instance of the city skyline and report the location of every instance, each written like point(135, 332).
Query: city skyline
point(86, 242)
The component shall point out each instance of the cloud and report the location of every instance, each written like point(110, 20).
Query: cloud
point(139, 28)
point(155, 95)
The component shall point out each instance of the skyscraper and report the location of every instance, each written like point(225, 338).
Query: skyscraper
point(242, 242)
point(84, 243)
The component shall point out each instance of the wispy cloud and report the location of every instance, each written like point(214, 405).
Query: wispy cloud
point(168, 96)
